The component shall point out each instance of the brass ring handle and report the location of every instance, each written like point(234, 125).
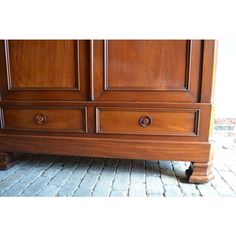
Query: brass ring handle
point(145, 121)
point(40, 119)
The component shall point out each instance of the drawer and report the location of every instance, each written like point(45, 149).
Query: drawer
point(56, 119)
point(144, 121)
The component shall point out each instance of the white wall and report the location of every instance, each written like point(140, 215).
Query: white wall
point(225, 90)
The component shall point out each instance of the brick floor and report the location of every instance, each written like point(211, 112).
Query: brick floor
point(42, 175)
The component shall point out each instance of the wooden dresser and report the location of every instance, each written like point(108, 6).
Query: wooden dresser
point(136, 99)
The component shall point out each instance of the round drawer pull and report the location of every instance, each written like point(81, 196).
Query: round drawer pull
point(145, 121)
point(40, 119)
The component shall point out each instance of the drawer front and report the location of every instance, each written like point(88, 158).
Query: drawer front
point(142, 121)
point(45, 119)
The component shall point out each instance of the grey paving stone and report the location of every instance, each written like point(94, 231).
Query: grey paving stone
point(45, 163)
point(168, 177)
point(138, 172)
point(52, 171)
point(122, 177)
point(189, 190)
point(137, 190)
point(21, 185)
point(89, 181)
point(172, 191)
point(48, 191)
point(85, 161)
point(222, 188)
point(207, 190)
point(230, 178)
point(112, 162)
point(154, 185)
point(5, 173)
point(138, 164)
point(219, 165)
point(79, 172)
point(68, 189)
point(103, 187)
point(55, 184)
point(35, 187)
point(16, 176)
point(119, 193)
point(155, 195)
point(71, 185)
point(64, 174)
point(124, 166)
point(165, 165)
point(152, 168)
point(97, 165)
point(87, 185)
point(231, 165)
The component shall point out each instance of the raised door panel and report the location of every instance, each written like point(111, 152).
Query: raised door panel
point(147, 70)
point(44, 69)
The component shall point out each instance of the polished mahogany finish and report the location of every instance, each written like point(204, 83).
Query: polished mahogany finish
point(42, 64)
point(160, 121)
point(45, 119)
point(139, 99)
point(44, 70)
point(147, 70)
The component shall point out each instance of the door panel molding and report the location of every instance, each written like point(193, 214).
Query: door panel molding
point(9, 74)
point(189, 92)
point(186, 87)
point(73, 72)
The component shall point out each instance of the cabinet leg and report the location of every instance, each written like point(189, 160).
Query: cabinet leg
point(7, 160)
point(200, 172)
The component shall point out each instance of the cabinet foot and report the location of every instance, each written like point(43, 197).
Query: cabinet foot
point(7, 160)
point(200, 172)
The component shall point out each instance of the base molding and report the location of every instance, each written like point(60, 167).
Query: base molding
point(107, 147)
point(200, 172)
point(199, 153)
point(7, 160)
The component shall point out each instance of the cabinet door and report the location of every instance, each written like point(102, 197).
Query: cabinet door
point(44, 69)
point(147, 70)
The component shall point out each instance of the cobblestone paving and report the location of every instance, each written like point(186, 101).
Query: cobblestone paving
point(42, 175)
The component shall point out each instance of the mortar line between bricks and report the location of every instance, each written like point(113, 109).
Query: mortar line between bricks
point(185, 164)
point(225, 181)
point(199, 190)
point(40, 160)
point(130, 172)
point(114, 176)
point(215, 189)
point(21, 192)
point(99, 175)
point(16, 168)
point(172, 166)
point(195, 185)
point(69, 177)
point(38, 176)
point(164, 192)
point(27, 172)
point(83, 177)
point(64, 163)
point(49, 166)
point(145, 179)
point(229, 169)
point(47, 184)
